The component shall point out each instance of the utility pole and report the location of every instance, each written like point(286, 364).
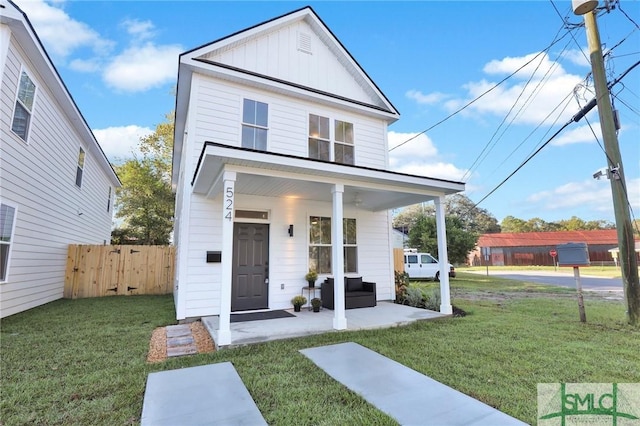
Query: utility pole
point(628, 259)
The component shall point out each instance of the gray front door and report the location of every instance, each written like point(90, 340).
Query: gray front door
point(250, 273)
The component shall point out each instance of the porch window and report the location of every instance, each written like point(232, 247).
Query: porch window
point(254, 124)
point(320, 244)
point(79, 169)
point(24, 106)
point(319, 141)
point(344, 142)
point(7, 221)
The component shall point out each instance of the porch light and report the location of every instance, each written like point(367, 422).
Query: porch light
point(291, 230)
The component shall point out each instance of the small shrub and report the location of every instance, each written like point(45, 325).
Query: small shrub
point(432, 300)
point(413, 296)
point(402, 282)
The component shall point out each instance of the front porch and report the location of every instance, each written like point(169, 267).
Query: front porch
point(386, 314)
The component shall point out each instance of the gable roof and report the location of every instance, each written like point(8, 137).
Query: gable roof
point(357, 92)
point(537, 239)
point(21, 28)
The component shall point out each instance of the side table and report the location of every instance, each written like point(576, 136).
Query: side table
point(310, 290)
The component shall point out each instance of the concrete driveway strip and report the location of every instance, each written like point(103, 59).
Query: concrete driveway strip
point(409, 397)
point(206, 395)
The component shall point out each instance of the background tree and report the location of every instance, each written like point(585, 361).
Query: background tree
point(145, 201)
point(513, 224)
point(472, 218)
point(460, 242)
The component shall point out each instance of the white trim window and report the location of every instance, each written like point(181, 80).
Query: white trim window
point(7, 227)
point(319, 139)
point(109, 201)
point(344, 142)
point(340, 149)
point(80, 168)
point(24, 106)
point(255, 118)
point(320, 245)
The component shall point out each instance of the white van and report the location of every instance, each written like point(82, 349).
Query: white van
point(423, 265)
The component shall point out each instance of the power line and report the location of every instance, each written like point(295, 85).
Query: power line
point(479, 97)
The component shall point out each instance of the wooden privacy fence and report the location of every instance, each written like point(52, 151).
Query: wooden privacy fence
point(398, 259)
point(96, 271)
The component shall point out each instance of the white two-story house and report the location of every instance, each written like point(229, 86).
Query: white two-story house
point(56, 185)
point(280, 165)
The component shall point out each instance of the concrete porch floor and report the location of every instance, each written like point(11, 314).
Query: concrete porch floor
point(385, 315)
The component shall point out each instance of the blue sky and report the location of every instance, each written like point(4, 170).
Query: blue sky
point(119, 61)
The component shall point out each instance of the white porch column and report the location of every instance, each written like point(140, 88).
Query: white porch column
point(337, 255)
point(443, 258)
point(228, 201)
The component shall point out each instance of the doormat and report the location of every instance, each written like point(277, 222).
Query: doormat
point(257, 316)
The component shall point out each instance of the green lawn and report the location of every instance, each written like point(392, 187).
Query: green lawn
point(83, 361)
point(595, 269)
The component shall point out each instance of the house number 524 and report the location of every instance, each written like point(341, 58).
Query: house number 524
point(228, 203)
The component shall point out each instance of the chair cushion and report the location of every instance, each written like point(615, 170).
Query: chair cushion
point(354, 284)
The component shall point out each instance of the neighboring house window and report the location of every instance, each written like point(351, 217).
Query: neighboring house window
point(319, 142)
point(254, 124)
point(344, 142)
point(80, 168)
point(109, 201)
point(320, 245)
point(7, 221)
point(24, 106)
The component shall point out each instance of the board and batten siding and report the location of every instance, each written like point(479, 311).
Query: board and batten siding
point(288, 256)
point(38, 177)
point(218, 118)
point(279, 54)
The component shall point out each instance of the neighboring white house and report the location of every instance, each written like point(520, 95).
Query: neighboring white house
point(56, 185)
point(279, 136)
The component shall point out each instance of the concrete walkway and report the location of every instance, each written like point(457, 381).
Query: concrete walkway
point(409, 397)
point(206, 395)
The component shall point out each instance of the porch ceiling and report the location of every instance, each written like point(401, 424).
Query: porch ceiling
point(276, 175)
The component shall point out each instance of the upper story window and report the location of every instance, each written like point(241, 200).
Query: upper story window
point(340, 148)
point(319, 140)
point(254, 124)
point(24, 106)
point(7, 225)
point(80, 168)
point(344, 142)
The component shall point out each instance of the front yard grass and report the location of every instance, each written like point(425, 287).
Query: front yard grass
point(84, 361)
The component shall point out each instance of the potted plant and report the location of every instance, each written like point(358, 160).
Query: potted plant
point(297, 302)
point(315, 302)
point(311, 277)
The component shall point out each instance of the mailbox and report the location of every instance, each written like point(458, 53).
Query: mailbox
point(214, 256)
point(573, 254)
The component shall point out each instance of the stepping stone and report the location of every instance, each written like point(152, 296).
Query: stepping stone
point(178, 330)
point(408, 396)
point(207, 395)
point(180, 341)
point(181, 350)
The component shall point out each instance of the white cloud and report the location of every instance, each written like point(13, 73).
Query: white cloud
point(419, 157)
point(582, 134)
point(85, 65)
point(121, 142)
point(535, 90)
point(588, 195)
point(59, 32)
point(141, 68)
point(140, 30)
point(578, 56)
point(426, 99)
